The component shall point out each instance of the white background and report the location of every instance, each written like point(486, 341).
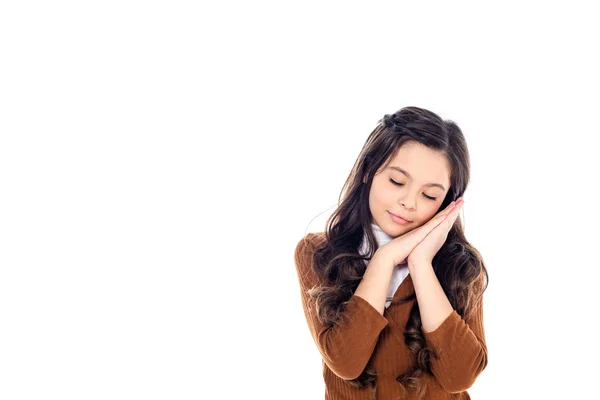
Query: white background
point(159, 162)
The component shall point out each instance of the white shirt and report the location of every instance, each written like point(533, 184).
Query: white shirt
point(400, 271)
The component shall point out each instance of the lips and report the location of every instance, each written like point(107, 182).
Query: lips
point(400, 216)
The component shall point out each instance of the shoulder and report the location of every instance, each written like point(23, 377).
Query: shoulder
point(309, 243)
point(305, 249)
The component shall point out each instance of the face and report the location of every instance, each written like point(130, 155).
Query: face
point(419, 194)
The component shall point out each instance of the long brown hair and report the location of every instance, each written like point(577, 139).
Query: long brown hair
point(338, 263)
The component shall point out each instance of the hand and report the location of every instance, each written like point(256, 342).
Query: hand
point(432, 243)
point(400, 248)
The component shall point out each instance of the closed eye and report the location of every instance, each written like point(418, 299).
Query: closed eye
point(401, 184)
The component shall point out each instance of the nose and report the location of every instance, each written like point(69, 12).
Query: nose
point(407, 204)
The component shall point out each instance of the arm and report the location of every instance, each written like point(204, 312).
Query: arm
point(375, 282)
point(348, 345)
point(459, 342)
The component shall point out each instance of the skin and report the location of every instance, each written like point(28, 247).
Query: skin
point(425, 166)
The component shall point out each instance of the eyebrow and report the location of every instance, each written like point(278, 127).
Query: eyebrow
point(408, 175)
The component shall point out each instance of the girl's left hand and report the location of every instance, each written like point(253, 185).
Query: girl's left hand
point(428, 247)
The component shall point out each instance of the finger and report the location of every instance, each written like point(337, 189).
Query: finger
point(450, 207)
point(433, 223)
point(443, 214)
point(458, 205)
point(448, 216)
point(441, 217)
point(424, 230)
point(453, 215)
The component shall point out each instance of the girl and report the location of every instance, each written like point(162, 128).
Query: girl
point(392, 290)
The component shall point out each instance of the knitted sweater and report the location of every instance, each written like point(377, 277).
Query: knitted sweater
point(346, 348)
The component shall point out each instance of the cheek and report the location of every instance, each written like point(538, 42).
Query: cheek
point(379, 197)
point(387, 199)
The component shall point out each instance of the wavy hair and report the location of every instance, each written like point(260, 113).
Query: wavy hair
point(340, 266)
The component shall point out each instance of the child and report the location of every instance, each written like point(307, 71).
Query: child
point(392, 290)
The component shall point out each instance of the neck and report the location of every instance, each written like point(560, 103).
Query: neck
point(380, 235)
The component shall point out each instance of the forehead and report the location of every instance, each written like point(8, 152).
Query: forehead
point(422, 163)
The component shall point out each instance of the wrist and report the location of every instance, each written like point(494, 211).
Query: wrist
point(419, 264)
point(384, 256)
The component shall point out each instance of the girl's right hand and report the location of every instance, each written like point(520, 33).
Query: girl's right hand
point(398, 249)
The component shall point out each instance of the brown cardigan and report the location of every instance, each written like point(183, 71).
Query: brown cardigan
point(346, 348)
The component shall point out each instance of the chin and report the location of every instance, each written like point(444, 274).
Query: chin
point(393, 230)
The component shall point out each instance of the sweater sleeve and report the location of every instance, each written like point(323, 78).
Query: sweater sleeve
point(347, 346)
point(460, 344)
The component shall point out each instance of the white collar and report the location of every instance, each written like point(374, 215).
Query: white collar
point(380, 236)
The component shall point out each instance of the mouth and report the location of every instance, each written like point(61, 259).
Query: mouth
point(399, 219)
